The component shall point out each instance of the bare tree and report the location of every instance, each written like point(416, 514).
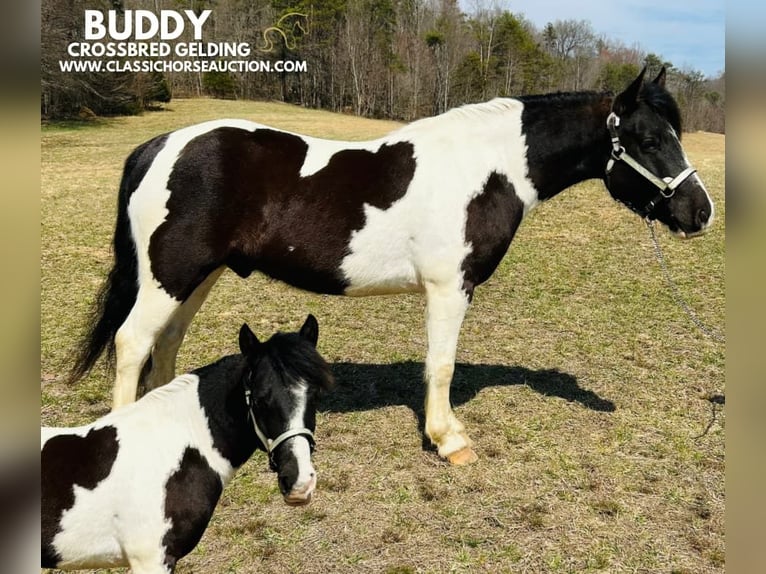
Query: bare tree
point(573, 44)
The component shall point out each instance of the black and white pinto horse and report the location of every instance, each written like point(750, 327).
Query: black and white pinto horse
point(138, 486)
point(431, 207)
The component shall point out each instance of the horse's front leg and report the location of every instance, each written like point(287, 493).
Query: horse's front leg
point(445, 309)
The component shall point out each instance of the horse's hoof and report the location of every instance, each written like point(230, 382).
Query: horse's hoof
point(463, 456)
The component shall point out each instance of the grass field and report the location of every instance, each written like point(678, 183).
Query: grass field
point(584, 386)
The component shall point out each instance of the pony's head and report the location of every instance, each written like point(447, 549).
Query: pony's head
point(648, 170)
point(285, 376)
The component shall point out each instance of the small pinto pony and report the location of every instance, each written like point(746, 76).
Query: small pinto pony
point(431, 207)
point(138, 486)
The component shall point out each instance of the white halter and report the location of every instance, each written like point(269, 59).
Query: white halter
point(271, 444)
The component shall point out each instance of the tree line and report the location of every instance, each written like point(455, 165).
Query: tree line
point(396, 59)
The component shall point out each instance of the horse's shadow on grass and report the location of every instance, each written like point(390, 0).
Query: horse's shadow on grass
point(361, 387)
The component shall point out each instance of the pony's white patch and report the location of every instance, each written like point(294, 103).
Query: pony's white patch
point(106, 523)
point(421, 237)
point(299, 445)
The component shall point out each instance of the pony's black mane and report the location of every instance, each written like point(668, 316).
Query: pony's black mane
point(290, 354)
point(287, 356)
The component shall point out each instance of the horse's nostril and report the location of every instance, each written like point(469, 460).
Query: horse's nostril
point(702, 217)
point(284, 487)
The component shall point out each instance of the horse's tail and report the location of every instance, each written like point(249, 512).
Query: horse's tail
point(117, 294)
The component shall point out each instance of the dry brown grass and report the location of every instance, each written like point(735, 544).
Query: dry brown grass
point(583, 385)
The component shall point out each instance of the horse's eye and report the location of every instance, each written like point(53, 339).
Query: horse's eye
point(650, 145)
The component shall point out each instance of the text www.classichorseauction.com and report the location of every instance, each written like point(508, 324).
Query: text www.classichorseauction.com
point(117, 54)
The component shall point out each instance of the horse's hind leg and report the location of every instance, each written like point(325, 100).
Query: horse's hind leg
point(445, 310)
point(136, 337)
point(169, 340)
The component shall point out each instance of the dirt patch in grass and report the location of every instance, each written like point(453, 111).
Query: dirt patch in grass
point(583, 385)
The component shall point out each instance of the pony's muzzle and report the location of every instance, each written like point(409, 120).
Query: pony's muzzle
point(299, 494)
point(297, 478)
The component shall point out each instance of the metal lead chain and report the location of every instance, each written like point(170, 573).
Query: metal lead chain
point(680, 301)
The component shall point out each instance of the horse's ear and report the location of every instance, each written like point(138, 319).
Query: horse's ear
point(660, 79)
point(310, 330)
point(248, 342)
point(627, 101)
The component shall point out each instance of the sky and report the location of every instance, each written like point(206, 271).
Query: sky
point(688, 33)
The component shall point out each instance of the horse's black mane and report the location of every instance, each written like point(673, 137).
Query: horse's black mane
point(561, 98)
point(660, 100)
point(655, 96)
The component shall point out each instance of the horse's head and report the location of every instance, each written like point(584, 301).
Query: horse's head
point(285, 376)
point(648, 170)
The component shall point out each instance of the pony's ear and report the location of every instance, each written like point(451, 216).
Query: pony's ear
point(310, 330)
point(248, 342)
point(627, 101)
point(660, 79)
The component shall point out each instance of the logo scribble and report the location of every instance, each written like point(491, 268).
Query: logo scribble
point(287, 31)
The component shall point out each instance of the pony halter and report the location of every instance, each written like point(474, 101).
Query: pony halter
point(667, 185)
point(271, 444)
